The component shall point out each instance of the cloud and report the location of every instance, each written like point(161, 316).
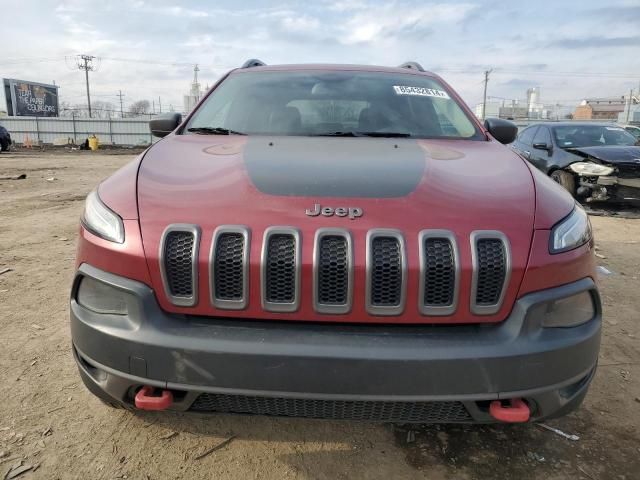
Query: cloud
point(398, 20)
point(182, 12)
point(596, 42)
point(159, 39)
point(617, 13)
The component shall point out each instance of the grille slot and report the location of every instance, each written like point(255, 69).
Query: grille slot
point(439, 272)
point(333, 271)
point(386, 411)
point(386, 272)
point(229, 267)
point(491, 271)
point(178, 264)
point(281, 269)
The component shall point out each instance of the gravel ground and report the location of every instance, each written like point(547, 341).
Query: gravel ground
point(49, 422)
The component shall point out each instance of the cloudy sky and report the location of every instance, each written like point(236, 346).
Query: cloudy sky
point(147, 49)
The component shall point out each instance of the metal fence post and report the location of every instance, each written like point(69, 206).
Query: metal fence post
point(73, 119)
point(37, 131)
point(110, 130)
point(150, 134)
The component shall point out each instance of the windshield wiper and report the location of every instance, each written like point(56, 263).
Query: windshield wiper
point(363, 134)
point(214, 131)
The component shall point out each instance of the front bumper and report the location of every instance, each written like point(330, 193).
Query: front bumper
point(610, 188)
point(316, 369)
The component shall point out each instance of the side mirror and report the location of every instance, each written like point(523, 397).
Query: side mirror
point(502, 130)
point(163, 125)
point(542, 146)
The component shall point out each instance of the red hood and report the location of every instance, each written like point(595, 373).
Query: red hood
point(459, 185)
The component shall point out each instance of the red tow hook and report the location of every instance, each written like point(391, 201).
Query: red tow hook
point(517, 412)
point(146, 399)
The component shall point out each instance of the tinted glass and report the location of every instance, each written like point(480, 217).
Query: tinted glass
point(317, 103)
point(527, 135)
point(542, 136)
point(571, 136)
point(635, 131)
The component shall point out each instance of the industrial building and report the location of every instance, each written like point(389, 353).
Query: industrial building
point(600, 108)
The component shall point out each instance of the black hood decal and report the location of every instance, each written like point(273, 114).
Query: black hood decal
point(610, 154)
point(334, 167)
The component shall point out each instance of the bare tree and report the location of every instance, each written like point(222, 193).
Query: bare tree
point(140, 107)
point(101, 109)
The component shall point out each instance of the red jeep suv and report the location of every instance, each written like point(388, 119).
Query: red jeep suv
point(336, 241)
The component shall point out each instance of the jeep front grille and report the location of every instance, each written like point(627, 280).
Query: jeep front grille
point(491, 271)
point(381, 411)
point(281, 269)
point(333, 278)
point(178, 263)
point(333, 271)
point(229, 266)
point(439, 272)
point(386, 272)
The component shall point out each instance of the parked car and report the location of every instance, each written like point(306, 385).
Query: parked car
point(5, 139)
point(336, 242)
point(633, 130)
point(592, 161)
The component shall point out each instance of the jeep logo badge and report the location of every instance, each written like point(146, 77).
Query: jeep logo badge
point(351, 212)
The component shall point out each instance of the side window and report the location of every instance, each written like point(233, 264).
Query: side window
point(526, 136)
point(542, 136)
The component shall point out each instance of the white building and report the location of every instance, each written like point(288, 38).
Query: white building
point(493, 110)
point(191, 99)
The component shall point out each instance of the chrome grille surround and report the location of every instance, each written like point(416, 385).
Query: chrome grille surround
point(194, 231)
point(432, 309)
point(332, 308)
point(371, 307)
point(282, 307)
point(476, 236)
point(225, 303)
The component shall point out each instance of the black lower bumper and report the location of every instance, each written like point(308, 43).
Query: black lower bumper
point(328, 370)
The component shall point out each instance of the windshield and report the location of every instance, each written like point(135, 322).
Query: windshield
point(333, 103)
point(572, 136)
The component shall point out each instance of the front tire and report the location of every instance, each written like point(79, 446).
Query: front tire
point(566, 180)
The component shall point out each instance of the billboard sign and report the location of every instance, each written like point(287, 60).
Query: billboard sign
point(30, 99)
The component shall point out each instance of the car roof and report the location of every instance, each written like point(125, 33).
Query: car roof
point(574, 124)
point(333, 68)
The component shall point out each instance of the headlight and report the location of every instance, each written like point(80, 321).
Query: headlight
point(101, 298)
point(101, 221)
point(572, 232)
point(590, 168)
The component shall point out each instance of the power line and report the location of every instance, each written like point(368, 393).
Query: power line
point(500, 71)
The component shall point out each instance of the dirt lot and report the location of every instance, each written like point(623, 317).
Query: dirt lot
point(50, 422)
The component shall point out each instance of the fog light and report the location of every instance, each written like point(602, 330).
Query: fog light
point(101, 298)
point(569, 312)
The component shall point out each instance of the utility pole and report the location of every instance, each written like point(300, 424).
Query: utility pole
point(84, 63)
point(159, 105)
point(120, 94)
point(630, 103)
point(484, 102)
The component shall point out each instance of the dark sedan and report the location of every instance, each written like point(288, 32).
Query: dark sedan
point(593, 161)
